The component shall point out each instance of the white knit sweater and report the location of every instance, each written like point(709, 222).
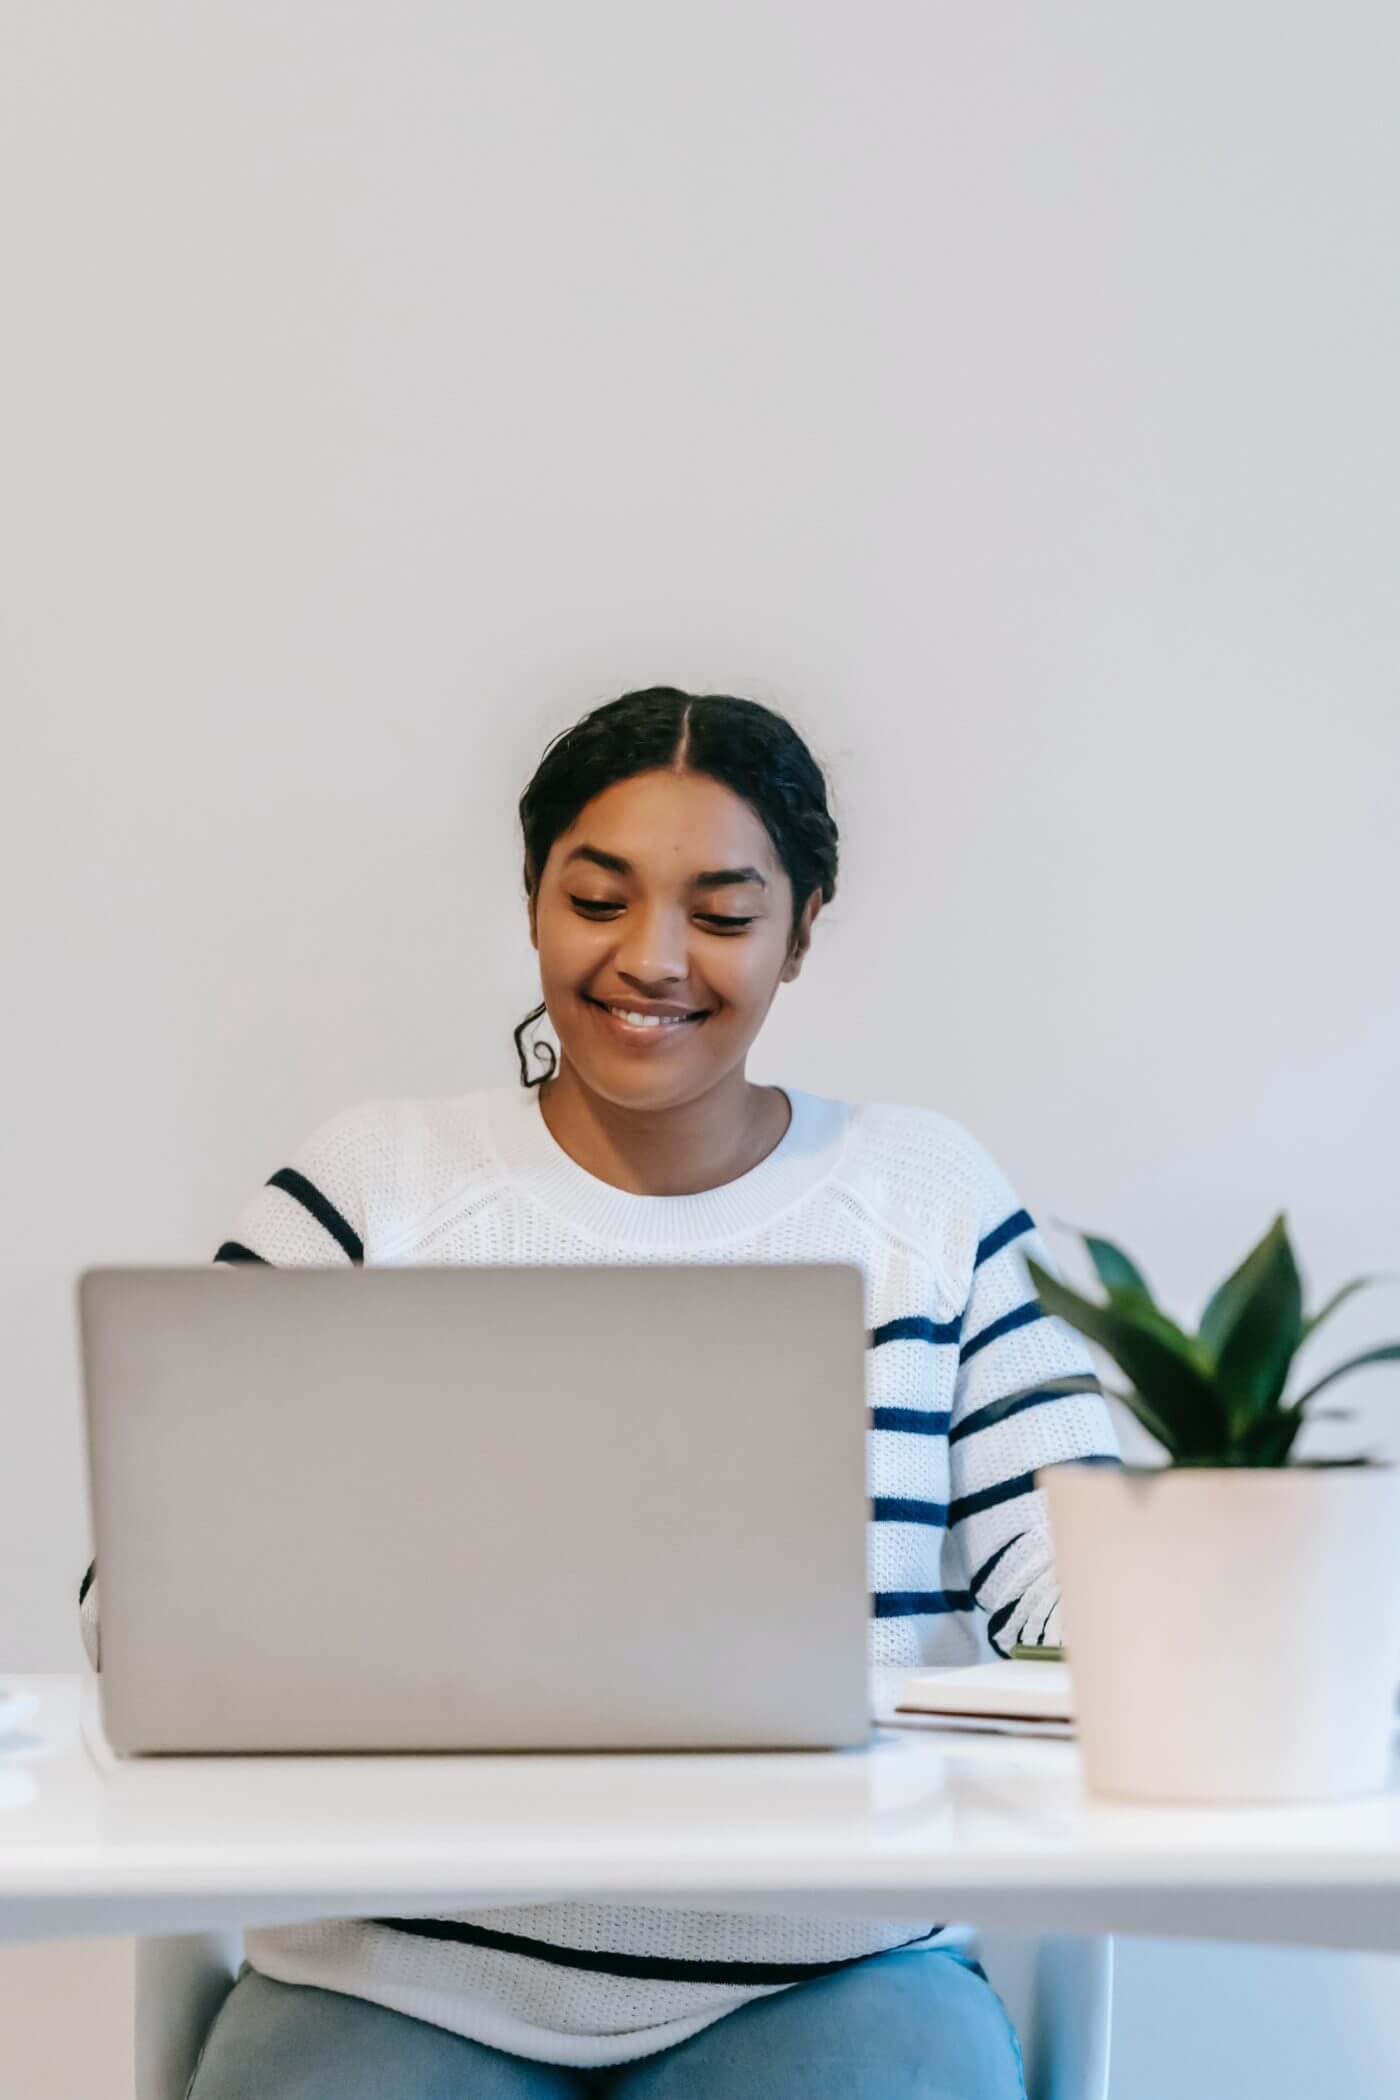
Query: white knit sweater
point(970, 1387)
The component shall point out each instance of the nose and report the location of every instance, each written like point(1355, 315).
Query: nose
point(653, 951)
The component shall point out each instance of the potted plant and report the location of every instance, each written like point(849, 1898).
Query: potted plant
point(1232, 1616)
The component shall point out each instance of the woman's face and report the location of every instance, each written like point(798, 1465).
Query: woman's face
point(630, 911)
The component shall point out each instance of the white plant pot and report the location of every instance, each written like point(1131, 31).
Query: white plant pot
point(1233, 1635)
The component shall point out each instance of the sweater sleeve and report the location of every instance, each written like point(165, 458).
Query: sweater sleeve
point(1026, 1396)
point(309, 1213)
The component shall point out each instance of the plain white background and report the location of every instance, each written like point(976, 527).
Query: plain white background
point(1004, 391)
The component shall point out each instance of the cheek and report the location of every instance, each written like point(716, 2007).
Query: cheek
point(569, 948)
point(744, 980)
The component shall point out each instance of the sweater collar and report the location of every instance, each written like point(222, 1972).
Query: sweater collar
point(654, 1225)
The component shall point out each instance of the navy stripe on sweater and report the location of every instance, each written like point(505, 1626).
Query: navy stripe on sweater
point(900, 1509)
point(321, 1209)
point(1019, 1316)
point(1029, 1396)
point(918, 1604)
point(1019, 1484)
point(989, 1497)
point(661, 1968)
point(234, 1250)
point(914, 1421)
point(914, 1327)
point(998, 1620)
point(1010, 1229)
point(987, 1566)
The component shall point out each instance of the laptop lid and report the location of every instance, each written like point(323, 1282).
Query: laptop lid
point(478, 1507)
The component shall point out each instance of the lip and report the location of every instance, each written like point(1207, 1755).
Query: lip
point(640, 1038)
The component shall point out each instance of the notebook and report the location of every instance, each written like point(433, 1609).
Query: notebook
point(1005, 1698)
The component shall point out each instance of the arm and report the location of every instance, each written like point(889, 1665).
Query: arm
point(309, 1213)
point(1026, 1396)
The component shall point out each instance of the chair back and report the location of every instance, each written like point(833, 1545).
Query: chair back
point(181, 1981)
point(1058, 1989)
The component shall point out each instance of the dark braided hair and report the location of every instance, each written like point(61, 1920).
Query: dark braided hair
point(749, 748)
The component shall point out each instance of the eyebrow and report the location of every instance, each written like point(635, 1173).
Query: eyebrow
point(709, 879)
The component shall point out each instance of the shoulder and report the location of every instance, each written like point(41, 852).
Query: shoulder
point(389, 1162)
point(930, 1180)
point(926, 1159)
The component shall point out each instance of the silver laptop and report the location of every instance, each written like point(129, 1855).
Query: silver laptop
point(478, 1508)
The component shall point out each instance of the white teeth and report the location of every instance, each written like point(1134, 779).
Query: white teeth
point(631, 1020)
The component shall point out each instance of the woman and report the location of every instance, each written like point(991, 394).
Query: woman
point(678, 850)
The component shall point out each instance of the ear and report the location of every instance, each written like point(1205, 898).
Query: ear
point(802, 939)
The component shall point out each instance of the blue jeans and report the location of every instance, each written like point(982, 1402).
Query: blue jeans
point(913, 2024)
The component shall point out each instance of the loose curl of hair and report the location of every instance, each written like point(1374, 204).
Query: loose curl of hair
point(752, 750)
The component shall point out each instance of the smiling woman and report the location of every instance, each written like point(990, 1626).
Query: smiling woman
point(678, 848)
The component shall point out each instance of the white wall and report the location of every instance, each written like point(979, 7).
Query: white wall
point(1007, 393)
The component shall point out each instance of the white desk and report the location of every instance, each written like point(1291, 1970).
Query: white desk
point(986, 1830)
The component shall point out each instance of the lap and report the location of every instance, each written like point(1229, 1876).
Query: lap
point(913, 2024)
point(295, 2041)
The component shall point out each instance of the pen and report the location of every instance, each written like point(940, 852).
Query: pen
point(1023, 1653)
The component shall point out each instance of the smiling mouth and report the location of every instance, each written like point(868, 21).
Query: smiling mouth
point(668, 1023)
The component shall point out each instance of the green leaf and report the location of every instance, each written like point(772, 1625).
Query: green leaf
point(1120, 1277)
point(1340, 1297)
point(1152, 1422)
point(1146, 1414)
point(1267, 1440)
point(1253, 1324)
point(1388, 1353)
point(1162, 1364)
